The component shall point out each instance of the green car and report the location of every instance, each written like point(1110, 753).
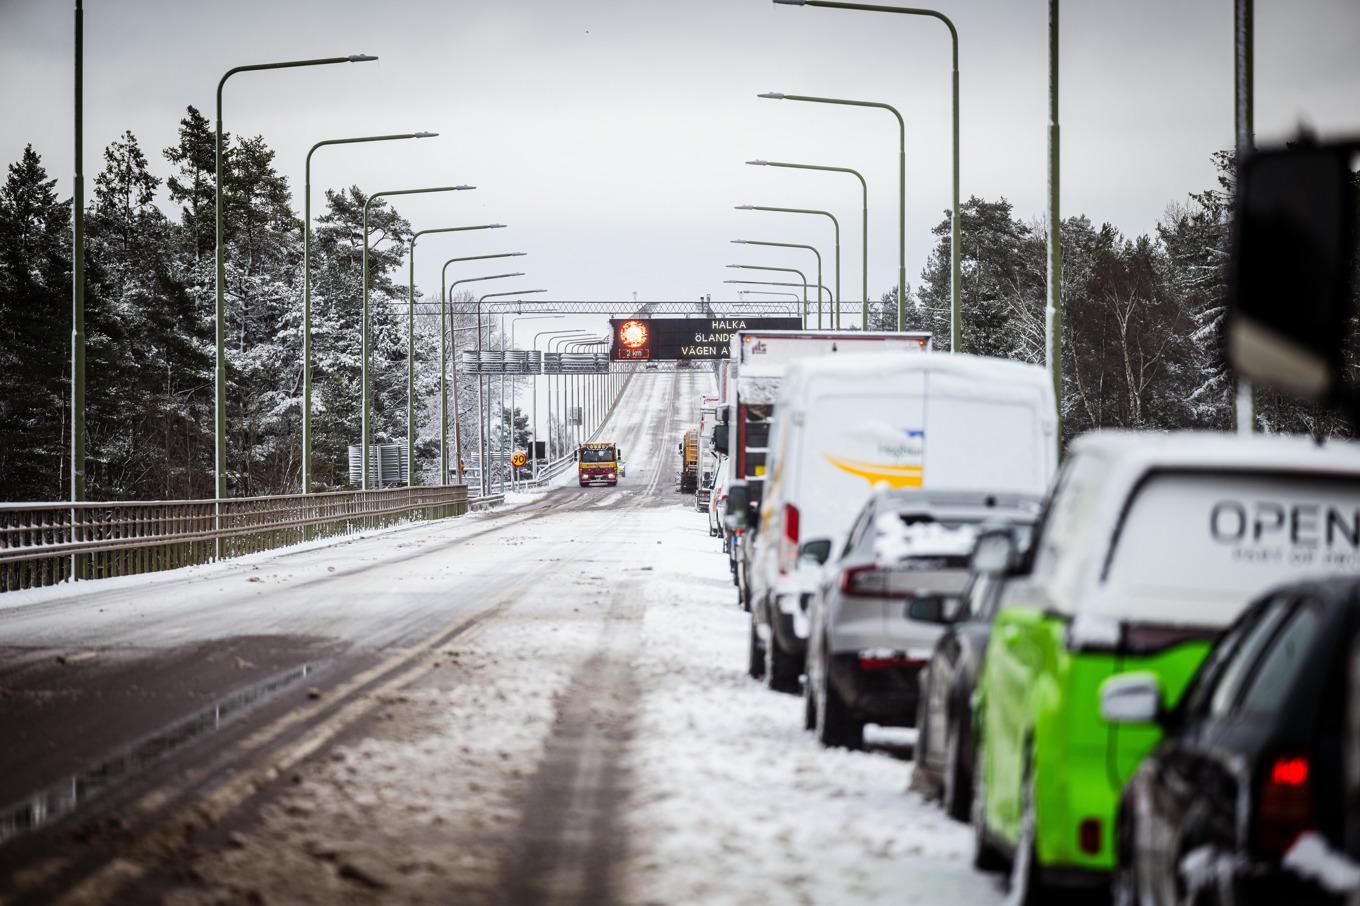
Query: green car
point(1150, 546)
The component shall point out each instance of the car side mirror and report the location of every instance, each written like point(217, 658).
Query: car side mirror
point(994, 553)
point(720, 439)
point(1131, 698)
point(738, 503)
point(817, 551)
point(941, 609)
point(1292, 269)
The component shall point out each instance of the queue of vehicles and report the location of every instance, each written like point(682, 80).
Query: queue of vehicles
point(1124, 673)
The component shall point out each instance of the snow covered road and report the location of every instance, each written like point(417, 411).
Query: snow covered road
point(544, 704)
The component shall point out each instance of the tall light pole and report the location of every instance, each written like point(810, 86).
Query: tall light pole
point(457, 426)
point(834, 222)
point(446, 329)
point(534, 345)
point(758, 292)
point(864, 188)
point(955, 276)
point(364, 415)
point(307, 288)
point(1055, 309)
point(901, 183)
point(482, 401)
point(514, 385)
point(563, 384)
point(769, 283)
point(795, 245)
point(785, 270)
point(1244, 77)
point(411, 347)
point(220, 375)
point(78, 283)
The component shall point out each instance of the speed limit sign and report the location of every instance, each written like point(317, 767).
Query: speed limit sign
point(519, 459)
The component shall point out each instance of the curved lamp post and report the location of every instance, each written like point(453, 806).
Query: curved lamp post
point(411, 347)
point(220, 375)
point(367, 392)
point(901, 182)
point(758, 292)
point(457, 427)
point(955, 280)
point(766, 282)
point(784, 270)
point(834, 222)
point(534, 345)
point(446, 337)
point(795, 245)
point(307, 288)
point(484, 427)
point(864, 187)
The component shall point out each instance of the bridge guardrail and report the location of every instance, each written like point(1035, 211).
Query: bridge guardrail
point(46, 543)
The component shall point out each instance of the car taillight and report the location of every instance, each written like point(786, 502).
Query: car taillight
point(791, 522)
point(872, 582)
point(1285, 808)
point(884, 659)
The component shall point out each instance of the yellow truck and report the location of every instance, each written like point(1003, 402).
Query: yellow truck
point(689, 462)
point(599, 463)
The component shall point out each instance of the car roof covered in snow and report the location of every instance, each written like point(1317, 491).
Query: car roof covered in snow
point(1140, 451)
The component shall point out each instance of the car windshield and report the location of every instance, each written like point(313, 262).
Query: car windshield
point(605, 454)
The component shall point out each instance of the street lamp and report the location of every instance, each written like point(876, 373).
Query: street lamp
point(864, 187)
point(514, 385)
point(955, 279)
point(834, 222)
point(785, 270)
point(901, 183)
point(366, 390)
point(411, 350)
point(447, 329)
point(768, 283)
point(758, 292)
point(220, 376)
point(795, 245)
point(457, 427)
point(534, 345)
point(307, 289)
point(483, 403)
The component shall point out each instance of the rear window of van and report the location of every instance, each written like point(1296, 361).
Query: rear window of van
point(1195, 548)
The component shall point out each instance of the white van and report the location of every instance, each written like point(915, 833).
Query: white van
point(850, 424)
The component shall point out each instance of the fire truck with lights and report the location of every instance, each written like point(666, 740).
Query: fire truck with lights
point(599, 462)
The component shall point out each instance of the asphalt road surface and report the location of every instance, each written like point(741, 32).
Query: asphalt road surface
point(540, 704)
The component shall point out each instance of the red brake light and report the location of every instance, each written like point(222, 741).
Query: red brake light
point(1289, 772)
point(1285, 808)
point(791, 522)
point(872, 582)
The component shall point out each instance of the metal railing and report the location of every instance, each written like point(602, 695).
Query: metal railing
point(46, 543)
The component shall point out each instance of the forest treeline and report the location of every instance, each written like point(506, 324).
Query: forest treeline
point(1142, 323)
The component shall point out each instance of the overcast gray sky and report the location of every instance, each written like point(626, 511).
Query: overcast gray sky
point(611, 134)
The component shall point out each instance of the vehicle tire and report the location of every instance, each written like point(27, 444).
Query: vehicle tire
point(986, 857)
point(956, 794)
point(755, 658)
point(1024, 884)
point(834, 725)
point(783, 671)
point(809, 701)
point(1124, 880)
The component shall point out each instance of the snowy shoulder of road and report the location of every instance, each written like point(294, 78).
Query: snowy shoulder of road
point(733, 802)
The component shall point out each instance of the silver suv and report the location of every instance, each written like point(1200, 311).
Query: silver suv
point(882, 600)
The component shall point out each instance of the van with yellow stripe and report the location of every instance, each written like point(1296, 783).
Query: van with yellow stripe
point(850, 424)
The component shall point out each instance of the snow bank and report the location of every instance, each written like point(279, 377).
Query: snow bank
point(734, 803)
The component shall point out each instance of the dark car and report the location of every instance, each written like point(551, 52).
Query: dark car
point(1244, 799)
point(944, 719)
